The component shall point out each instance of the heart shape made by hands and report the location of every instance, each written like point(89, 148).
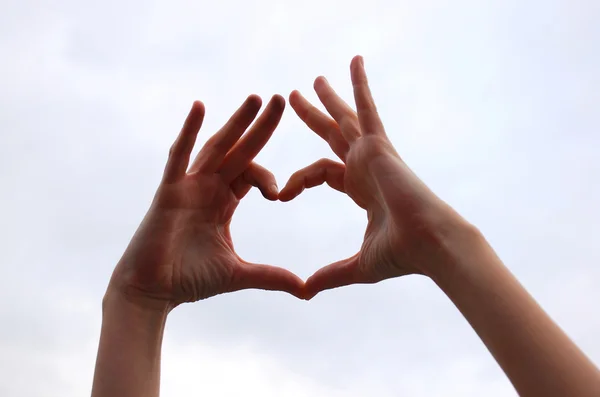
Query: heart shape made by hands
point(183, 251)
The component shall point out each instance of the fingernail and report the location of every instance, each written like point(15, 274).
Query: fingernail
point(273, 189)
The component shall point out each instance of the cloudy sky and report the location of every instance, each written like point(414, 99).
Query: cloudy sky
point(493, 104)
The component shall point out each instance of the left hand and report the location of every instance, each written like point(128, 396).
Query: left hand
point(408, 226)
point(183, 251)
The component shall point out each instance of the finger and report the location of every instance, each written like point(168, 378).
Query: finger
point(336, 275)
point(258, 176)
point(211, 156)
point(179, 154)
point(338, 109)
point(322, 171)
point(242, 154)
point(265, 277)
point(320, 123)
point(368, 118)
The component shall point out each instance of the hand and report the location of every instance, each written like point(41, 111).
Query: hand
point(406, 221)
point(182, 251)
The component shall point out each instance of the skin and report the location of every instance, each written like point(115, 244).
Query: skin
point(406, 221)
point(183, 252)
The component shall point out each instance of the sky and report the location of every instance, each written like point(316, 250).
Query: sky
point(493, 104)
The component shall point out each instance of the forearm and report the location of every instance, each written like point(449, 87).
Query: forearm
point(128, 362)
point(536, 355)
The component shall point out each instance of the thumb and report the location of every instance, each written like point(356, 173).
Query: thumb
point(272, 278)
point(338, 274)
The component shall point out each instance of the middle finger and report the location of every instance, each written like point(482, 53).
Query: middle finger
point(320, 123)
point(244, 151)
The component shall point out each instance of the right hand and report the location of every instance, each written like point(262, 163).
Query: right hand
point(407, 223)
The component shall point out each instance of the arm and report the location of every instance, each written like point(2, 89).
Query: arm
point(128, 362)
point(182, 251)
point(536, 355)
point(411, 231)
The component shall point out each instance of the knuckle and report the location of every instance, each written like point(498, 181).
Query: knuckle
point(349, 124)
point(216, 143)
point(324, 162)
point(298, 175)
point(269, 177)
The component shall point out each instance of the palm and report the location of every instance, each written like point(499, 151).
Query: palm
point(192, 252)
point(207, 197)
point(374, 258)
point(183, 251)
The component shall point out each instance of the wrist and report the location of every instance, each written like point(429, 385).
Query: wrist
point(118, 301)
point(126, 321)
point(125, 287)
point(128, 362)
point(460, 246)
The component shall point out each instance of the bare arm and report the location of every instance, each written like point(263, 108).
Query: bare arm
point(411, 231)
point(128, 362)
point(182, 251)
point(536, 355)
